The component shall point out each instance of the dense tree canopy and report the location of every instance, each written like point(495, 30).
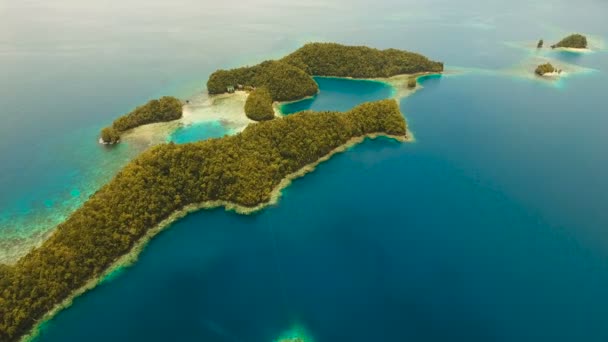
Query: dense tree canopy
point(285, 82)
point(110, 135)
point(577, 41)
point(243, 169)
point(546, 68)
point(166, 108)
point(331, 59)
point(259, 105)
point(290, 78)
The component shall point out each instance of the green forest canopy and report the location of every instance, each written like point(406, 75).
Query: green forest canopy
point(577, 41)
point(258, 106)
point(242, 169)
point(167, 108)
point(285, 82)
point(331, 59)
point(290, 78)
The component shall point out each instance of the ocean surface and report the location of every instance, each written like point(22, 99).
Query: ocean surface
point(491, 226)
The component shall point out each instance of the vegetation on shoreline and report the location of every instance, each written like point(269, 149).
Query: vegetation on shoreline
point(331, 59)
point(284, 82)
point(575, 41)
point(290, 78)
point(166, 108)
point(259, 105)
point(242, 169)
point(546, 68)
point(110, 135)
point(412, 82)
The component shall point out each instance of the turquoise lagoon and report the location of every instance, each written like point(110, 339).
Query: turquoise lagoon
point(199, 131)
point(490, 227)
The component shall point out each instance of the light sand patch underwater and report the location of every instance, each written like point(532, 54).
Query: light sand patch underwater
point(226, 110)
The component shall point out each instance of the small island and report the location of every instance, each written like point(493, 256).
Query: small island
point(547, 69)
point(573, 41)
point(165, 109)
point(245, 172)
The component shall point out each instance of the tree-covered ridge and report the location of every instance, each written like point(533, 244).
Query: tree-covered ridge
point(166, 108)
point(576, 41)
point(285, 82)
point(290, 78)
point(331, 59)
point(242, 169)
point(258, 106)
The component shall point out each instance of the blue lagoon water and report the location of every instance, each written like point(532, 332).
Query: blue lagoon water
point(340, 94)
point(490, 227)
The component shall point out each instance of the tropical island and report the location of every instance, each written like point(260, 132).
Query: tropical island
point(165, 109)
point(547, 69)
point(573, 41)
point(244, 172)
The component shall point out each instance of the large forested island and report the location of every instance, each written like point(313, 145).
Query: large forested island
point(290, 78)
point(166, 108)
point(244, 170)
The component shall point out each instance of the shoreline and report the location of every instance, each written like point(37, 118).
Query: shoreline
point(131, 257)
point(575, 50)
point(552, 75)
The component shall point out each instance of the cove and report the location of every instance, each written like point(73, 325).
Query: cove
point(340, 94)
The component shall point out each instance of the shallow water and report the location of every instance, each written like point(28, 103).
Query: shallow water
point(491, 226)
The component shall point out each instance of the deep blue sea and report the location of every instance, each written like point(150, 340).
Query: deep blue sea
point(491, 226)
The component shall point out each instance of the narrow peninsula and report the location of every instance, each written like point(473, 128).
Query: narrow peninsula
point(245, 171)
point(165, 109)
